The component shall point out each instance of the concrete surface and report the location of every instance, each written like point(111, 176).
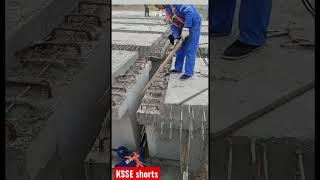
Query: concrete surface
point(134, 39)
point(204, 41)
point(205, 23)
point(131, 14)
point(74, 105)
point(36, 18)
point(138, 21)
point(26, 155)
point(121, 61)
point(137, 42)
point(132, 97)
point(139, 27)
point(97, 163)
point(160, 144)
point(239, 88)
point(178, 91)
point(125, 132)
point(204, 29)
point(125, 129)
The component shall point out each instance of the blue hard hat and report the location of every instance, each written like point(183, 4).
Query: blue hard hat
point(122, 151)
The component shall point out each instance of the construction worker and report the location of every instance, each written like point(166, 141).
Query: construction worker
point(128, 158)
point(146, 10)
point(253, 22)
point(185, 23)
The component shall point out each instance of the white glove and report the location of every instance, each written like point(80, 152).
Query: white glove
point(185, 33)
point(175, 42)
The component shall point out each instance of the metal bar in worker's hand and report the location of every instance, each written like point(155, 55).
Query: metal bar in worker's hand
point(164, 49)
point(166, 61)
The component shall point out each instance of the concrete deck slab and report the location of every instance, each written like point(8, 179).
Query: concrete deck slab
point(125, 128)
point(204, 29)
point(121, 61)
point(130, 14)
point(33, 17)
point(178, 91)
point(243, 87)
point(134, 39)
point(140, 27)
point(204, 41)
point(205, 23)
point(144, 43)
point(138, 21)
point(129, 101)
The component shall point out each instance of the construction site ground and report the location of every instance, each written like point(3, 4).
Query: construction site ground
point(239, 88)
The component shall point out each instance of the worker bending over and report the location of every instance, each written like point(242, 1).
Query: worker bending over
point(185, 23)
point(129, 159)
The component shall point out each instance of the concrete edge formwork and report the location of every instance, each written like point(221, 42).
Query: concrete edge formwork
point(165, 33)
point(97, 162)
point(36, 27)
point(143, 51)
point(53, 136)
point(125, 66)
point(127, 86)
point(126, 130)
point(85, 100)
point(132, 23)
point(27, 162)
point(150, 112)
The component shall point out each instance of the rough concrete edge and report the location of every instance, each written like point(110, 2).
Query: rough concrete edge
point(127, 65)
point(37, 27)
point(118, 112)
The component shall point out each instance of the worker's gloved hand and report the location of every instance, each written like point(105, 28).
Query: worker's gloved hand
point(175, 42)
point(185, 33)
point(171, 38)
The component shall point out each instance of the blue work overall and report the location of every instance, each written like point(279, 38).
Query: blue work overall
point(192, 20)
point(128, 161)
point(253, 19)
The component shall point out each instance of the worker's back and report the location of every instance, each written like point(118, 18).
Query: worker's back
point(134, 159)
point(181, 10)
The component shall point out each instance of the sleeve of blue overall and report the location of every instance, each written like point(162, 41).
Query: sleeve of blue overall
point(122, 163)
point(187, 12)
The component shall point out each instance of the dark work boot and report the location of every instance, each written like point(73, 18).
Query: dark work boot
point(173, 71)
point(239, 50)
point(183, 77)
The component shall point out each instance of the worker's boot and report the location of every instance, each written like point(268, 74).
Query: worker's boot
point(239, 50)
point(173, 71)
point(183, 77)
